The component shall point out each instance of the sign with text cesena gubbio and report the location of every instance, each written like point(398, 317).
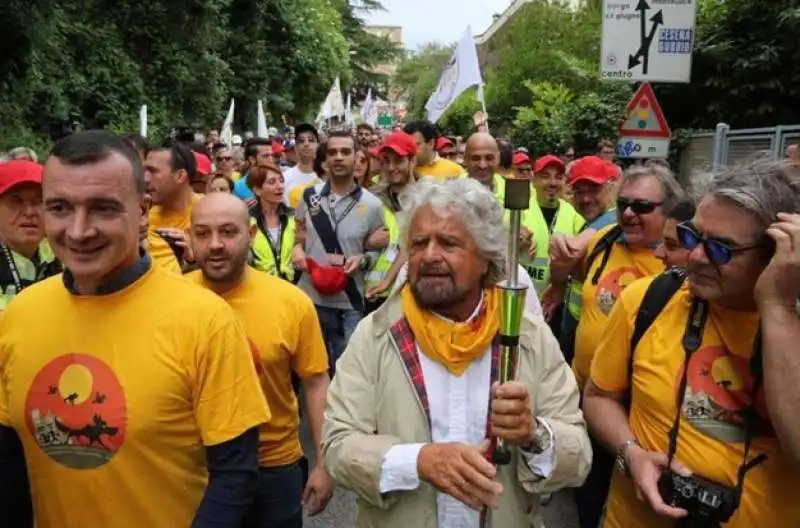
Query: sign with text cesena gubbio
point(648, 40)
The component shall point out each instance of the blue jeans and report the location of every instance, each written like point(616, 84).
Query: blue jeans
point(337, 327)
point(278, 500)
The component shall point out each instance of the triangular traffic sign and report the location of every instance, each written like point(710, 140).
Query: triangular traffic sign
point(643, 116)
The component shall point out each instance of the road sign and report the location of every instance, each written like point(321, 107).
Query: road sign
point(647, 40)
point(644, 132)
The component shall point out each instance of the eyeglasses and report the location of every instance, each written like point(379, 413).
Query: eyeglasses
point(638, 206)
point(716, 251)
point(224, 158)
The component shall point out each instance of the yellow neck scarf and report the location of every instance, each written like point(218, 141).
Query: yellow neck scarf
point(454, 345)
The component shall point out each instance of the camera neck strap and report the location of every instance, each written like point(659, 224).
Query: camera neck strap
point(692, 339)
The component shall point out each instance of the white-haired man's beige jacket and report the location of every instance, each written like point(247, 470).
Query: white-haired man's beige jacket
point(372, 405)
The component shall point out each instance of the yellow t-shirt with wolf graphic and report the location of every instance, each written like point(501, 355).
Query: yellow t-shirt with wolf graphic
point(117, 397)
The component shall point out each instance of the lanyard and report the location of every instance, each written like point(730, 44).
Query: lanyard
point(12, 265)
point(350, 206)
point(274, 245)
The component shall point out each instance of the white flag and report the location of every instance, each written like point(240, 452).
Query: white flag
point(369, 111)
point(226, 134)
point(348, 112)
point(262, 121)
point(461, 72)
point(143, 121)
point(334, 103)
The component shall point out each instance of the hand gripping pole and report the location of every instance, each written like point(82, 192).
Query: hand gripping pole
point(517, 199)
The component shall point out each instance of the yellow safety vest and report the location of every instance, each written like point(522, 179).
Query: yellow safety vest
point(499, 188)
point(567, 221)
point(387, 257)
point(263, 254)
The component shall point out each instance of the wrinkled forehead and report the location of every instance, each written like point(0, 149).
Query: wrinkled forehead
point(643, 188)
point(723, 220)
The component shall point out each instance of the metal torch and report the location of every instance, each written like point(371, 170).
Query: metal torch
point(517, 199)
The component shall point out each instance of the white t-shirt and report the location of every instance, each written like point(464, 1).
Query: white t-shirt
point(532, 303)
point(294, 177)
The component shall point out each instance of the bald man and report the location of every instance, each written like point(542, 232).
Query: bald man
point(288, 340)
point(482, 159)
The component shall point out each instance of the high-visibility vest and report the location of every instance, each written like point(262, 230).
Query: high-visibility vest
point(567, 221)
point(389, 254)
point(263, 255)
point(499, 184)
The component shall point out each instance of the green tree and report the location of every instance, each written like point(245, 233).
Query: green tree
point(418, 74)
point(543, 43)
point(744, 67)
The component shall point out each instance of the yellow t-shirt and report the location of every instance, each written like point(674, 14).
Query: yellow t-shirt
point(623, 267)
point(116, 400)
point(711, 438)
point(284, 332)
point(160, 218)
point(441, 169)
point(296, 194)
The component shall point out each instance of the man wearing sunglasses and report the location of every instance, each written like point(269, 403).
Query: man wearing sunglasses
point(706, 400)
point(617, 256)
point(226, 164)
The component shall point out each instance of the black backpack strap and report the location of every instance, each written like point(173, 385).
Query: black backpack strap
point(656, 298)
point(324, 229)
point(603, 247)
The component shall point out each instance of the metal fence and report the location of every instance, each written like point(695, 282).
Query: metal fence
point(713, 150)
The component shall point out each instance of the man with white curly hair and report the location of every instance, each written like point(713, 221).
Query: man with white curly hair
point(413, 402)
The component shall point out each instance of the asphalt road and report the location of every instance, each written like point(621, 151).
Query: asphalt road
point(341, 510)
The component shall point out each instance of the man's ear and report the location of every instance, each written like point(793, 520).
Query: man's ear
point(182, 176)
point(253, 230)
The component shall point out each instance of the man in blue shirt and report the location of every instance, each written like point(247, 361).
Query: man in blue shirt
point(258, 152)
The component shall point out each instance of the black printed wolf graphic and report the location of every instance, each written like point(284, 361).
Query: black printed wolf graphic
point(92, 432)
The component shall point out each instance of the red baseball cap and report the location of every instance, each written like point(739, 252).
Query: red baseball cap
point(277, 147)
point(520, 158)
point(327, 280)
point(547, 161)
point(401, 143)
point(203, 164)
point(442, 143)
point(591, 168)
point(15, 172)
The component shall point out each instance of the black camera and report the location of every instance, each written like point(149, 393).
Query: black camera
point(709, 504)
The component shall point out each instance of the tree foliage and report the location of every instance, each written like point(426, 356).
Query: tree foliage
point(543, 87)
point(92, 63)
point(744, 67)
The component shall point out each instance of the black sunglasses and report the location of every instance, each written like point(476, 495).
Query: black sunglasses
point(717, 251)
point(638, 206)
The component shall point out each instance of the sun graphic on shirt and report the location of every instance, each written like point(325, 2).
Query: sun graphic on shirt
point(76, 411)
point(611, 285)
point(75, 384)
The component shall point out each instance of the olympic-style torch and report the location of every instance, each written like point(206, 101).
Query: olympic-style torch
point(517, 199)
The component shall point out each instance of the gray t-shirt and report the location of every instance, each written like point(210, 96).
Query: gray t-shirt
point(355, 219)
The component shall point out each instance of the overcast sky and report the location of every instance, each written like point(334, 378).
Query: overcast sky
point(444, 21)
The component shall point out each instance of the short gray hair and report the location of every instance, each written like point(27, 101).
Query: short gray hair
point(760, 187)
point(21, 153)
point(671, 190)
point(475, 205)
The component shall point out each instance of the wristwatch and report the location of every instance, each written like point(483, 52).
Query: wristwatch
point(622, 450)
point(366, 262)
point(542, 439)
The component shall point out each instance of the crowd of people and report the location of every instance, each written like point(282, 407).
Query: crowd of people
point(164, 306)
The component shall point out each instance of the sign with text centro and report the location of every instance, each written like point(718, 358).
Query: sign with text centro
point(643, 132)
point(648, 40)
